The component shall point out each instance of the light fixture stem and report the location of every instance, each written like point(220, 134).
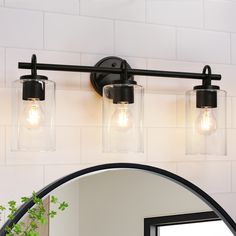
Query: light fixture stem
point(124, 67)
point(207, 79)
point(34, 65)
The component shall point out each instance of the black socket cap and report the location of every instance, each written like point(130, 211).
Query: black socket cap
point(123, 94)
point(206, 98)
point(33, 89)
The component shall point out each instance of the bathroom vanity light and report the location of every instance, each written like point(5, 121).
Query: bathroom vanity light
point(113, 78)
point(123, 115)
point(206, 118)
point(34, 107)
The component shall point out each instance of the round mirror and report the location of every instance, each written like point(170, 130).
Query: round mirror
point(129, 199)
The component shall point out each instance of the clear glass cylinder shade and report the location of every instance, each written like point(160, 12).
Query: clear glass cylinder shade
point(206, 127)
point(33, 119)
point(122, 121)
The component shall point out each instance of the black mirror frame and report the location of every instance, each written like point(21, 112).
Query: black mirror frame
point(177, 179)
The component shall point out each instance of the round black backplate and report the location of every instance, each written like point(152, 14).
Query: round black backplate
point(99, 80)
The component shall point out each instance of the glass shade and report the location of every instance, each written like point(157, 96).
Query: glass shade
point(33, 115)
point(206, 125)
point(123, 118)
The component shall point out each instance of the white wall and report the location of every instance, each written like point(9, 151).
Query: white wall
point(178, 35)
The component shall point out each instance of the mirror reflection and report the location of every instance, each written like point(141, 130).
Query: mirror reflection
point(117, 202)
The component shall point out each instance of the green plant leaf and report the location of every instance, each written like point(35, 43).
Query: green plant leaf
point(63, 206)
point(52, 214)
point(24, 199)
point(2, 208)
point(54, 199)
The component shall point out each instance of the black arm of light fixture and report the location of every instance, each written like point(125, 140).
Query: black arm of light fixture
point(103, 72)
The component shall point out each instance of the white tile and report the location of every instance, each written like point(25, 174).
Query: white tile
point(231, 137)
point(227, 82)
point(2, 145)
point(229, 113)
point(19, 181)
point(67, 149)
point(2, 67)
point(145, 40)
point(65, 6)
point(91, 60)
point(75, 33)
point(233, 111)
point(78, 108)
point(119, 9)
point(165, 144)
point(234, 177)
point(20, 28)
point(180, 110)
point(160, 110)
point(211, 177)
point(207, 46)
point(64, 80)
point(176, 12)
point(174, 85)
point(227, 202)
point(5, 106)
point(91, 149)
point(220, 15)
point(54, 172)
point(1, 2)
point(233, 48)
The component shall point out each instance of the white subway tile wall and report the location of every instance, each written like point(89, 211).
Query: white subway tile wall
point(233, 49)
point(21, 28)
point(119, 9)
point(2, 67)
point(62, 6)
point(220, 15)
point(174, 35)
point(176, 12)
point(203, 46)
point(160, 41)
point(78, 34)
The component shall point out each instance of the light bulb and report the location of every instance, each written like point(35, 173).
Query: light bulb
point(122, 119)
point(206, 123)
point(32, 116)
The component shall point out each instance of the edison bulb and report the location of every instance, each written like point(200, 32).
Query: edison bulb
point(206, 123)
point(32, 116)
point(122, 118)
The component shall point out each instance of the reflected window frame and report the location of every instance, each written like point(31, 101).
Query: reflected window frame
point(153, 224)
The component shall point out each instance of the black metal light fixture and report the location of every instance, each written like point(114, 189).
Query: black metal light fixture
point(113, 78)
point(34, 106)
point(122, 112)
point(206, 118)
